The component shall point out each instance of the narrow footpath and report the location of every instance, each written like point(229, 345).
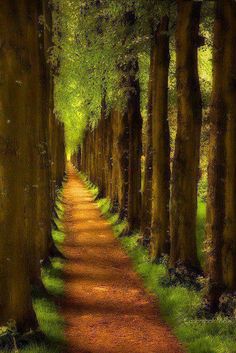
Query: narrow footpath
point(106, 308)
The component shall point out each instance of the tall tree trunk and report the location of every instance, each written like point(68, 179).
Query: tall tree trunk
point(44, 175)
point(131, 125)
point(229, 74)
point(146, 218)
point(120, 124)
point(216, 165)
point(160, 142)
point(51, 142)
point(221, 207)
point(15, 298)
point(187, 145)
point(135, 149)
point(108, 136)
point(101, 158)
point(32, 204)
point(115, 153)
point(39, 174)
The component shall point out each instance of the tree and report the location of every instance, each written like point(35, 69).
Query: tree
point(160, 142)
point(146, 218)
point(229, 242)
point(38, 204)
point(221, 169)
point(187, 145)
point(130, 140)
point(135, 149)
point(15, 297)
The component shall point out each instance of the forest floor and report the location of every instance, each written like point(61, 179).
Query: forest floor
point(105, 307)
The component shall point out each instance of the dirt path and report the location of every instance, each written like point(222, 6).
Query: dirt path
point(106, 309)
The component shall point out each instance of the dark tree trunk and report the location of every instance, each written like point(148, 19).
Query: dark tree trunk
point(108, 137)
point(220, 224)
point(39, 205)
point(146, 218)
point(187, 145)
point(229, 74)
point(135, 149)
point(160, 142)
point(131, 129)
point(15, 299)
point(115, 152)
point(121, 124)
point(216, 166)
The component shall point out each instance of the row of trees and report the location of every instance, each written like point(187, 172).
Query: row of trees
point(110, 153)
point(31, 155)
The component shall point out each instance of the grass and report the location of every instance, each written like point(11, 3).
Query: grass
point(178, 305)
point(50, 320)
point(201, 217)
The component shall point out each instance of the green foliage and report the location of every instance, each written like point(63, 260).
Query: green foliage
point(94, 46)
point(68, 90)
point(94, 43)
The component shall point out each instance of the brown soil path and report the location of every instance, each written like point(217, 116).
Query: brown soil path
point(106, 308)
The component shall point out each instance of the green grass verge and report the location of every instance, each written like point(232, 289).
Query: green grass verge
point(50, 320)
point(201, 217)
point(178, 305)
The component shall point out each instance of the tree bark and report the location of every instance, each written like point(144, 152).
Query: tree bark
point(160, 143)
point(131, 127)
point(15, 298)
point(135, 149)
point(221, 206)
point(229, 74)
point(116, 153)
point(216, 165)
point(108, 136)
point(146, 218)
point(38, 205)
point(187, 145)
point(121, 124)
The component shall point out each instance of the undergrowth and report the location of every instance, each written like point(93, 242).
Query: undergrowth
point(50, 321)
point(178, 305)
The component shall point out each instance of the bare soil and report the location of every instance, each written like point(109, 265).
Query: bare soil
point(106, 308)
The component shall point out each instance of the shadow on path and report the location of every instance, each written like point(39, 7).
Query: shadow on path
point(106, 308)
